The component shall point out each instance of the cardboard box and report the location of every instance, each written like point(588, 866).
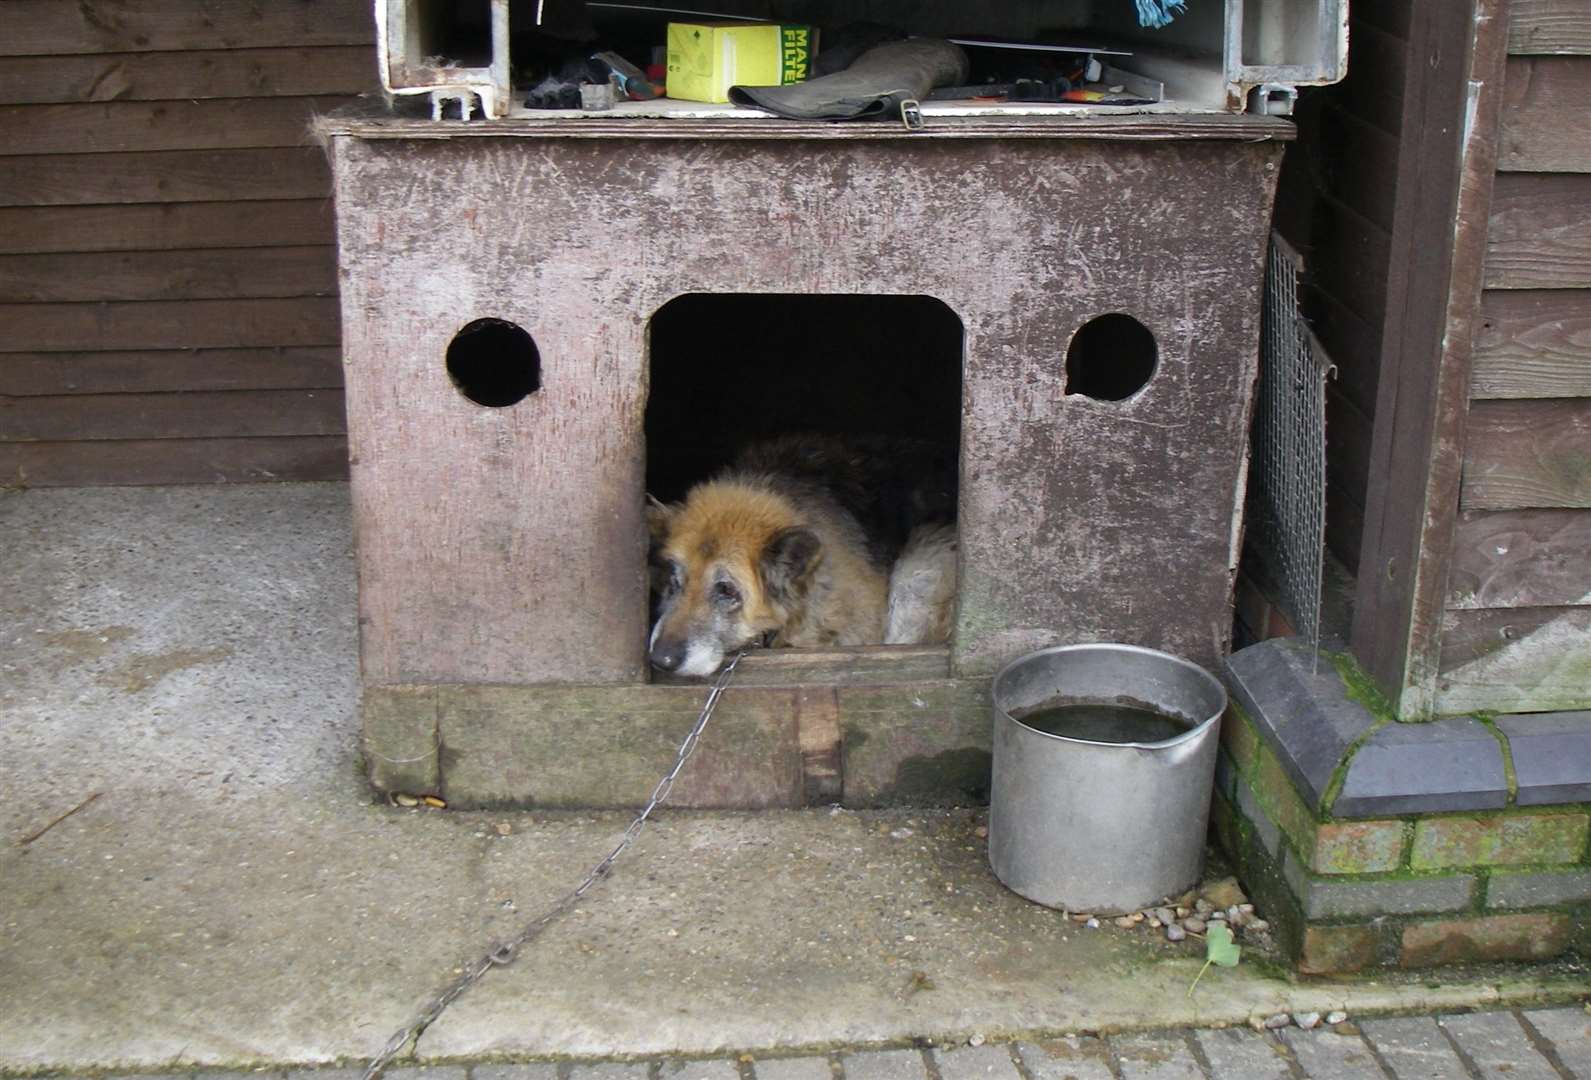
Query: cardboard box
point(706, 59)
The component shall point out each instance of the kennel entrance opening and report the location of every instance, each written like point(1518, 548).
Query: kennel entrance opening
point(727, 370)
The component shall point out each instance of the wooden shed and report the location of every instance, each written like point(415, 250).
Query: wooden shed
point(1420, 797)
point(167, 273)
point(1454, 298)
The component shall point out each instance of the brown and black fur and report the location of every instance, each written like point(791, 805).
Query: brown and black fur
point(794, 545)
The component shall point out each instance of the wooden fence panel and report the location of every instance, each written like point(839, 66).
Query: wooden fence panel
point(165, 226)
point(1533, 344)
point(168, 278)
point(1549, 26)
point(1546, 124)
point(1521, 558)
point(55, 28)
point(169, 371)
point(188, 415)
point(187, 76)
point(184, 176)
point(173, 461)
point(244, 273)
point(115, 127)
point(1540, 234)
point(173, 324)
point(1523, 454)
point(1515, 660)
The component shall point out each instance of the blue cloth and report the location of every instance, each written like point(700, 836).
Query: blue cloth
point(1157, 13)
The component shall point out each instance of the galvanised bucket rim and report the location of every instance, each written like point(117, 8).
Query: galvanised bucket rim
point(1038, 656)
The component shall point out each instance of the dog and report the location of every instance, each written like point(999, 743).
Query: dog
point(805, 541)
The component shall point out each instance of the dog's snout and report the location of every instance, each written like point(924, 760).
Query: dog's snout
point(668, 655)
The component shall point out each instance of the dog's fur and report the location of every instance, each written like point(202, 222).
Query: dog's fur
point(796, 544)
point(922, 588)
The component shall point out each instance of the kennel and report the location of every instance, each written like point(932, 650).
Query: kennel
point(501, 544)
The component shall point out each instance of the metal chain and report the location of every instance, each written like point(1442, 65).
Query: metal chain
point(505, 952)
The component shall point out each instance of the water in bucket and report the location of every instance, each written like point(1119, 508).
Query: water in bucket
point(1101, 723)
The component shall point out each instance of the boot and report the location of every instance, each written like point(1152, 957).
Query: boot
point(877, 84)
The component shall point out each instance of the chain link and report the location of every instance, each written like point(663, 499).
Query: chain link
point(505, 952)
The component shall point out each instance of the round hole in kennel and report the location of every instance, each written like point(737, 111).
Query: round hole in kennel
point(1111, 358)
point(494, 362)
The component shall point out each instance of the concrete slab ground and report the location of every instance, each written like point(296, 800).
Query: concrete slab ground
point(180, 663)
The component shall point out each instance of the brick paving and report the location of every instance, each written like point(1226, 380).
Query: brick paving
point(1533, 1044)
point(1498, 1047)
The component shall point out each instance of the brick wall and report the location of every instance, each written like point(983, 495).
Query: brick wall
point(1409, 890)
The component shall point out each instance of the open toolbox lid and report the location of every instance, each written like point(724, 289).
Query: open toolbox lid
point(1213, 56)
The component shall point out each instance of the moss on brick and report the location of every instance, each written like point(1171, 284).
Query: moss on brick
point(1276, 794)
point(1262, 878)
point(1359, 847)
point(1361, 688)
point(1339, 775)
point(1501, 839)
point(1489, 721)
point(1240, 738)
point(1227, 824)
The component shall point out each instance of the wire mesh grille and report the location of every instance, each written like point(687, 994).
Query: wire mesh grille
point(1287, 488)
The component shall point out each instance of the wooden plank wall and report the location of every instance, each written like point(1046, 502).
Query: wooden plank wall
point(1517, 631)
point(167, 275)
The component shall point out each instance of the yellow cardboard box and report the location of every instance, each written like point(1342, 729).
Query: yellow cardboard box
point(706, 59)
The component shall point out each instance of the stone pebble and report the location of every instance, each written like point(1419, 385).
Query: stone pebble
point(1191, 913)
point(1224, 893)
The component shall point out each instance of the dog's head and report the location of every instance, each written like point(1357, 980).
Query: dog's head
point(731, 566)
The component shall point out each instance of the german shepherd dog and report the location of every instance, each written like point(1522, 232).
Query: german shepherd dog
point(805, 541)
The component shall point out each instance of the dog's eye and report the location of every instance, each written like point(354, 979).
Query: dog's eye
point(725, 593)
point(676, 576)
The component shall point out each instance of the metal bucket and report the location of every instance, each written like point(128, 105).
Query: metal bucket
point(1092, 824)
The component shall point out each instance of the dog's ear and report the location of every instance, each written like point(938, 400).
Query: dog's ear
point(658, 520)
point(788, 561)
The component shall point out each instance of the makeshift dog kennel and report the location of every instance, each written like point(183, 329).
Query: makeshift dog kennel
point(499, 278)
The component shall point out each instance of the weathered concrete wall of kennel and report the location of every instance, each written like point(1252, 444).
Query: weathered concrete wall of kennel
point(502, 550)
point(506, 545)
